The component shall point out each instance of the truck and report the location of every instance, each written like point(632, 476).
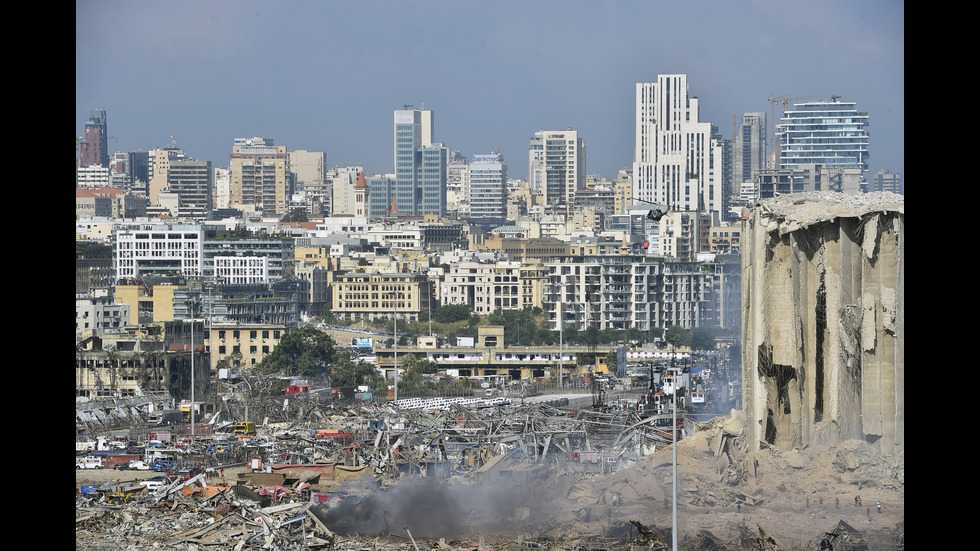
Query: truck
point(244, 427)
point(165, 417)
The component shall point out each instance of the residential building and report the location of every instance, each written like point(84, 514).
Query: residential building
point(625, 292)
point(725, 239)
point(93, 145)
point(92, 177)
point(192, 181)
point(159, 170)
point(99, 313)
point(749, 149)
point(405, 296)
point(556, 167)
point(109, 202)
point(677, 156)
point(888, 181)
point(243, 345)
point(144, 359)
point(830, 133)
point(260, 176)
point(488, 189)
point(488, 286)
point(182, 250)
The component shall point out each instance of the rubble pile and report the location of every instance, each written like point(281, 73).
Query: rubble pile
point(516, 477)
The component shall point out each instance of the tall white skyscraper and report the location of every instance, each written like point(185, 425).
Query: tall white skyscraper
point(556, 166)
point(675, 158)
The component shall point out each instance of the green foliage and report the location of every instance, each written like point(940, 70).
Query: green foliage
point(451, 313)
point(612, 361)
point(305, 352)
point(347, 370)
point(678, 336)
point(295, 215)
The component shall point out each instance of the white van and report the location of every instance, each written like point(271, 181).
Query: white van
point(88, 462)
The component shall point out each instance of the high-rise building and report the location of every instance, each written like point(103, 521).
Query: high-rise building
point(159, 169)
point(420, 165)
point(192, 181)
point(675, 153)
point(93, 146)
point(888, 181)
point(260, 175)
point(749, 155)
point(488, 188)
point(830, 133)
point(556, 167)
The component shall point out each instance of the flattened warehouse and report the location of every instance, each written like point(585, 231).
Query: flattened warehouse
point(824, 330)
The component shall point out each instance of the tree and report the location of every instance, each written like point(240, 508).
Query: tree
point(305, 352)
point(677, 336)
point(451, 313)
point(612, 362)
point(348, 370)
point(296, 215)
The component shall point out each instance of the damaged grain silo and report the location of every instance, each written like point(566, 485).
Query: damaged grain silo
point(823, 283)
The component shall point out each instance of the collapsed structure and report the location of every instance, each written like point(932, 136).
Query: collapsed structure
point(824, 322)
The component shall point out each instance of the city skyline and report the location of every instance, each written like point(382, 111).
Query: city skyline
point(327, 76)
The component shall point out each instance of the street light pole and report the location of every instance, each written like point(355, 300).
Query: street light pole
point(193, 418)
point(561, 327)
point(396, 346)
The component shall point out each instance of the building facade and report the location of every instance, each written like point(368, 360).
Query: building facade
point(749, 148)
point(488, 188)
point(420, 166)
point(677, 159)
point(93, 146)
point(556, 167)
point(405, 296)
point(193, 182)
point(260, 176)
point(830, 133)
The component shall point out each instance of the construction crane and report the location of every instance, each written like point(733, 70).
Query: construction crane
point(772, 121)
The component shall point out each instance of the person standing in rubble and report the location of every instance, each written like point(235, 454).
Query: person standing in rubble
point(836, 503)
point(879, 506)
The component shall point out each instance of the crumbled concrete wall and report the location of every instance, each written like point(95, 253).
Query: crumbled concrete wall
point(823, 332)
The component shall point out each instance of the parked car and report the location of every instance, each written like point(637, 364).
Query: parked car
point(135, 465)
point(164, 465)
point(88, 463)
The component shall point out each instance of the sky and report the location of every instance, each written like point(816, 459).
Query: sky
point(327, 75)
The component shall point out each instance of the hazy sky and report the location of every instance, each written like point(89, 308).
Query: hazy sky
point(327, 75)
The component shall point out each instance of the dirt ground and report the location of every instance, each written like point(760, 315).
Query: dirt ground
point(792, 495)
